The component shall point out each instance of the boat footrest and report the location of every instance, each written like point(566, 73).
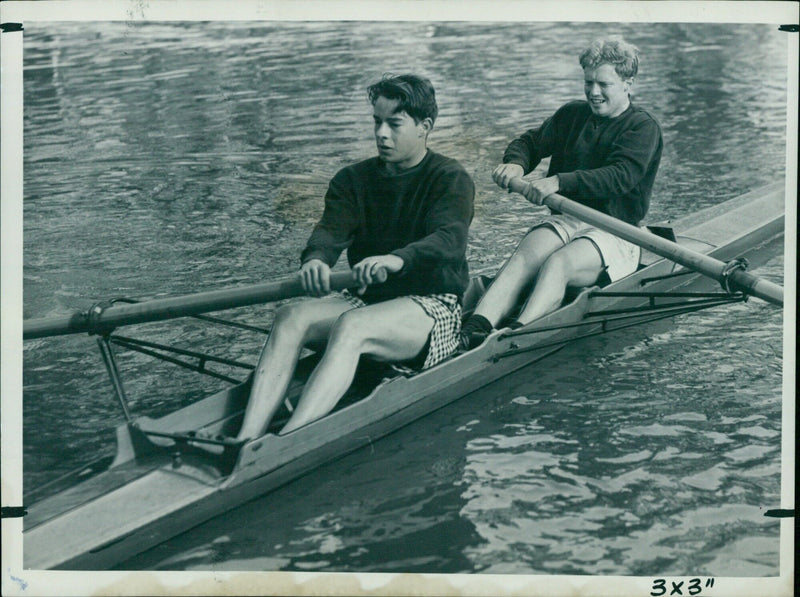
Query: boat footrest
point(221, 451)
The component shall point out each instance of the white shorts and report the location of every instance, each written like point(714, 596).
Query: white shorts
point(620, 258)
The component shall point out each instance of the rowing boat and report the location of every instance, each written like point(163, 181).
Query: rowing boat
point(160, 483)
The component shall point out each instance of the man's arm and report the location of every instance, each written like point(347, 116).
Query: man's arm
point(331, 235)
point(624, 168)
point(534, 145)
point(334, 231)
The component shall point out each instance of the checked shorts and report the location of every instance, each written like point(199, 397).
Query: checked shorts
point(445, 310)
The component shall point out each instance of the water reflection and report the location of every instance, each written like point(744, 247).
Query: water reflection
point(642, 460)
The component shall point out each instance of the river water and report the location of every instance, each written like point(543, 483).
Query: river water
point(169, 158)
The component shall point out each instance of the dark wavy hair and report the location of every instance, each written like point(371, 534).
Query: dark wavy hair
point(415, 95)
point(624, 57)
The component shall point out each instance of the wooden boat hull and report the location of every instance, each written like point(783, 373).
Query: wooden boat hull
point(149, 495)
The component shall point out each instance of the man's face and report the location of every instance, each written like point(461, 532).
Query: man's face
point(400, 140)
point(606, 91)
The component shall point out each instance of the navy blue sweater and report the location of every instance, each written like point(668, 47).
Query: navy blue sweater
point(421, 215)
point(608, 164)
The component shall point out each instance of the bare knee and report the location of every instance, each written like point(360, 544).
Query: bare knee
point(526, 253)
point(523, 264)
point(567, 267)
point(349, 332)
point(521, 260)
point(291, 322)
point(536, 247)
point(555, 264)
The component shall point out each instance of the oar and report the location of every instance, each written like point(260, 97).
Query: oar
point(735, 279)
point(115, 315)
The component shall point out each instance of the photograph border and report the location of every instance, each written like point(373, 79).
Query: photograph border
point(18, 581)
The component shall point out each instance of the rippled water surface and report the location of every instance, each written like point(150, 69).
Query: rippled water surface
point(169, 158)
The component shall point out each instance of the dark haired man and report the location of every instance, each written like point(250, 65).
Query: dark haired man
point(403, 218)
point(604, 153)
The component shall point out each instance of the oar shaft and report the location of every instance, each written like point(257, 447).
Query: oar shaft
point(172, 307)
point(704, 264)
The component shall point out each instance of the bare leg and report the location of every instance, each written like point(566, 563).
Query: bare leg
point(395, 330)
point(295, 325)
point(577, 264)
point(518, 272)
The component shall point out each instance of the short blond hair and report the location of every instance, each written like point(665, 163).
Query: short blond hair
point(624, 57)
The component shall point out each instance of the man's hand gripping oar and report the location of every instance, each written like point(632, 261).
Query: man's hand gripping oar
point(315, 275)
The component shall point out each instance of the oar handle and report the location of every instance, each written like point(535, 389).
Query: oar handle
point(98, 318)
point(735, 279)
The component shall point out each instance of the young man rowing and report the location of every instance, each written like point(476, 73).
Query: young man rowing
point(604, 153)
point(403, 218)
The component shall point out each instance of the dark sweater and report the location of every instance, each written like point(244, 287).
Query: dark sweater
point(608, 164)
point(421, 215)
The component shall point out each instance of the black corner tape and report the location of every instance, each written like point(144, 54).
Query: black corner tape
point(10, 27)
point(13, 511)
point(789, 28)
point(779, 513)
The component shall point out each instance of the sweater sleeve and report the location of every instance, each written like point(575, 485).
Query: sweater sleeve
point(334, 232)
point(623, 168)
point(445, 225)
point(534, 145)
